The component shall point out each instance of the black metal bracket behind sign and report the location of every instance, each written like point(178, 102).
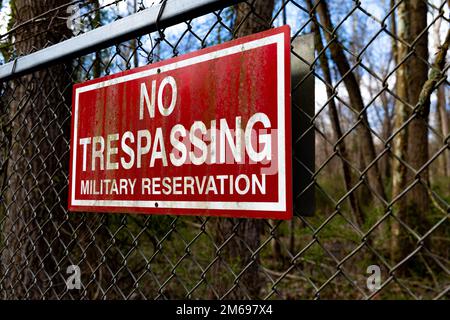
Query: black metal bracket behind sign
point(303, 133)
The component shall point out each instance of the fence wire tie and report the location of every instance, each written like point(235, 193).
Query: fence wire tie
point(13, 69)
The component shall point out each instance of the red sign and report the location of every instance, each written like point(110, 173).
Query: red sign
point(207, 133)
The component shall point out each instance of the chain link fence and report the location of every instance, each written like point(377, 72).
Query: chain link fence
point(381, 177)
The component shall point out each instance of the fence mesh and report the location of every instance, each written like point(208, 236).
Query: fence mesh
point(381, 177)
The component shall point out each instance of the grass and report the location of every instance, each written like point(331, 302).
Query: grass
point(167, 256)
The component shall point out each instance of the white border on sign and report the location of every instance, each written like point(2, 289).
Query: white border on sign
point(225, 205)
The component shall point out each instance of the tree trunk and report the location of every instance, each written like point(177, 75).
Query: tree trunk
point(387, 132)
point(245, 233)
point(356, 101)
point(441, 112)
point(401, 114)
point(418, 200)
point(253, 18)
point(411, 143)
point(334, 117)
point(444, 120)
point(388, 125)
point(36, 193)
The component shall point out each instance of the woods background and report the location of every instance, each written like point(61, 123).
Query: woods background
point(381, 177)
